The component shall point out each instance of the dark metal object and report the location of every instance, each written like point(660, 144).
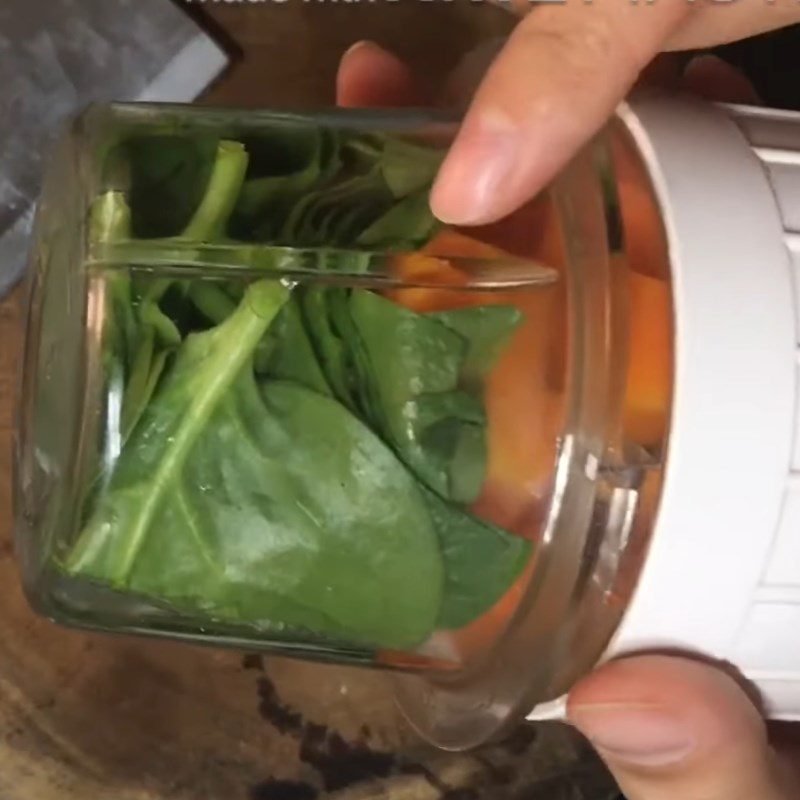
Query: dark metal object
point(58, 55)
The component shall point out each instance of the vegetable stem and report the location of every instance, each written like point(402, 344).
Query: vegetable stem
point(227, 177)
point(211, 301)
point(244, 329)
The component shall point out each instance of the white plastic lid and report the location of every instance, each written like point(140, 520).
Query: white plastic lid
point(722, 576)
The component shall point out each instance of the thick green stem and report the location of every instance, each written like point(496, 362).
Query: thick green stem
point(224, 186)
point(241, 333)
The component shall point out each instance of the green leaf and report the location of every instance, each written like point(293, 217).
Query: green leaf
point(316, 219)
point(281, 221)
point(481, 562)
point(408, 167)
point(407, 224)
point(356, 367)
point(272, 508)
point(156, 338)
point(420, 383)
point(158, 334)
point(327, 343)
point(401, 372)
point(288, 354)
point(451, 428)
point(362, 152)
point(206, 366)
point(412, 361)
point(150, 335)
point(488, 330)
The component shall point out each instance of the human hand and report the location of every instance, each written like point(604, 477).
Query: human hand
point(668, 728)
point(551, 86)
point(674, 729)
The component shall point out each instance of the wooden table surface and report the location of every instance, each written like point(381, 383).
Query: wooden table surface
point(85, 716)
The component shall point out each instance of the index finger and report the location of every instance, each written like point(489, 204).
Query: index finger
point(559, 77)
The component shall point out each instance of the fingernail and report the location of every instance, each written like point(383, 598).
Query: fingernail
point(641, 736)
point(713, 77)
point(478, 168)
point(357, 46)
point(704, 60)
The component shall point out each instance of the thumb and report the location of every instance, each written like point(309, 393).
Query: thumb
point(553, 85)
point(673, 728)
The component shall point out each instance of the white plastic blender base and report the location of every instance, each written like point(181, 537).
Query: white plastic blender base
point(722, 577)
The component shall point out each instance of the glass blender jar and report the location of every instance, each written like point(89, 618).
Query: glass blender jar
point(269, 403)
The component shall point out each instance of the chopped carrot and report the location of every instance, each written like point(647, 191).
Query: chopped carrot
point(650, 359)
point(469, 642)
point(450, 243)
point(476, 639)
point(643, 232)
point(533, 231)
point(522, 395)
point(427, 269)
point(524, 420)
point(397, 659)
point(431, 266)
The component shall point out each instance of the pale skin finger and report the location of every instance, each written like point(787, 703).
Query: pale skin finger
point(370, 76)
point(561, 74)
point(728, 754)
point(714, 22)
point(555, 83)
point(674, 728)
point(710, 23)
point(712, 78)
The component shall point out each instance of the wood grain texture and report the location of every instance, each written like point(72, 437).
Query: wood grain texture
point(92, 717)
point(292, 48)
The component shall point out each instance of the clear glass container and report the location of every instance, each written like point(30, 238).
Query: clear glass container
point(270, 403)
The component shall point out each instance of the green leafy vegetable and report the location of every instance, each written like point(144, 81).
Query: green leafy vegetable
point(341, 192)
point(288, 353)
point(487, 330)
point(293, 461)
point(405, 225)
point(211, 300)
point(200, 381)
point(481, 561)
point(409, 168)
point(268, 197)
point(151, 335)
point(414, 368)
point(401, 372)
point(330, 348)
point(148, 365)
point(273, 509)
point(227, 176)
